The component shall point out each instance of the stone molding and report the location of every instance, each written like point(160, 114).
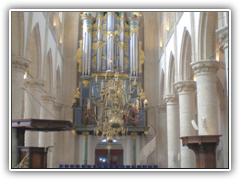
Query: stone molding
point(171, 98)
point(161, 108)
point(57, 106)
point(34, 83)
point(20, 63)
point(185, 86)
point(205, 66)
point(222, 35)
point(48, 97)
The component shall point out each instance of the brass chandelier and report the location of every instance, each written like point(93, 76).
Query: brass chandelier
point(113, 109)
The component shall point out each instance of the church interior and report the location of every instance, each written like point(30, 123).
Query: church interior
point(119, 90)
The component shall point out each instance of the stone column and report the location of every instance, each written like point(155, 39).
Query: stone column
point(56, 141)
point(222, 34)
point(134, 136)
point(19, 66)
point(173, 132)
point(186, 91)
point(206, 72)
point(33, 91)
point(161, 130)
point(46, 112)
point(85, 147)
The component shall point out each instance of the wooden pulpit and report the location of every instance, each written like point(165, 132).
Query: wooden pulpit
point(204, 148)
point(33, 157)
point(36, 157)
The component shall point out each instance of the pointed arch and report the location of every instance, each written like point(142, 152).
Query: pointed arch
point(58, 86)
point(207, 37)
point(34, 51)
point(185, 70)
point(48, 75)
point(171, 73)
point(162, 87)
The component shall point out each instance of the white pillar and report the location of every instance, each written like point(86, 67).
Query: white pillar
point(55, 136)
point(222, 34)
point(46, 112)
point(161, 130)
point(19, 66)
point(33, 91)
point(207, 105)
point(173, 132)
point(186, 90)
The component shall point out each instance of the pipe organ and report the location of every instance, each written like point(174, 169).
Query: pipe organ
point(108, 39)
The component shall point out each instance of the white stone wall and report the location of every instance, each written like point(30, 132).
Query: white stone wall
point(156, 65)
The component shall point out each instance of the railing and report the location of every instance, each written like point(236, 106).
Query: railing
point(67, 166)
point(24, 162)
point(149, 147)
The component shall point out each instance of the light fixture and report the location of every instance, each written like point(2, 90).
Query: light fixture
point(111, 110)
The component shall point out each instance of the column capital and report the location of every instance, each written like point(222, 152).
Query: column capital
point(20, 63)
point(34, 83)
point(205, 66)
point(134, 135)
point(171, 98)
point(48, 97)
point(85, 135)
point(161, 108)
point(222, 35)
point(57, 105)
point(185, 86)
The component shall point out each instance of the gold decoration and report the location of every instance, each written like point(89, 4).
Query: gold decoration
point(134, 135)
point(84, 14)
point(105, 16)
point(74, 101)
point(133, 30)
point(94, 33)
point(126, 60)
point(100, 44)
point(126, 46)
point(145, 132)
point(76, 93)
point(85, 134)
point(126, 25)
point(89, 29)
point(121, 75)
point(138, 14)
point(104, 33)
point(85, 82)
point(121, 16)
point(104, 57)
point(100, 15)
point(110, 34)
point(141, 57)
point(120, 29)
point(142, 93)
point(99, 28)
point(94, 58)
point(74, 132)
point(95, 25)
point(79, 56)
point(94, 45)
point(126, 34)
point(120, 45)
